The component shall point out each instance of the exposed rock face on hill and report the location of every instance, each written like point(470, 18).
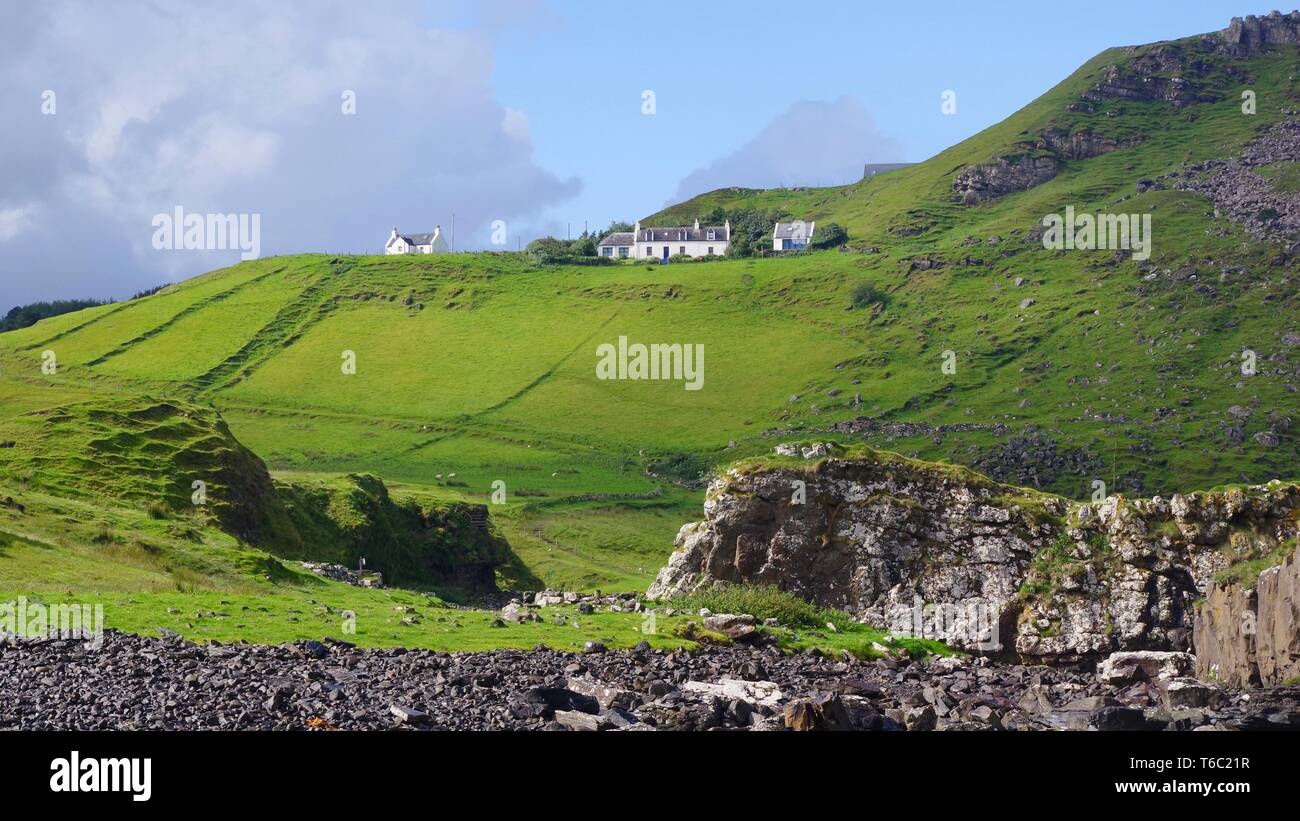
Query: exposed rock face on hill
point(1174, 73)
point(943, 552)
point(1244, 194)
point(1249, 634)
point(1180, 73)
point(1005, 175)
point(1251, 34)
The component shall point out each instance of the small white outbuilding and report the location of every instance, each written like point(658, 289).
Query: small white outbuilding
point(792, 236)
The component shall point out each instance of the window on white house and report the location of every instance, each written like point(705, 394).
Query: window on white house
point(712, 236)
point(681, 250)
point(710, 250)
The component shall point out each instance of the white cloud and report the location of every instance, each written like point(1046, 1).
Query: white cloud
point(811, 143)
point(236, 107)
point(515, 124)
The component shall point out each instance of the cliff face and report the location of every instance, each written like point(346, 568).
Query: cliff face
point(942, 552)
point(1253, 34)
point(865, 535)
point(1248, 634)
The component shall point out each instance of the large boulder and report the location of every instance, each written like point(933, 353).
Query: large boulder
point(938, 551)
point(1144, 665)
point(879, 536)
point(1248, 633)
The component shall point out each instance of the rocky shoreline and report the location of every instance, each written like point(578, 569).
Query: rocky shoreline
point(139, 683)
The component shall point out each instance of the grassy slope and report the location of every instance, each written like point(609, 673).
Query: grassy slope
point(480, 368)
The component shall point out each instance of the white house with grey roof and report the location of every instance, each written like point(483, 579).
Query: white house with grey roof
point(662, 243)
point(792, 236)
point(433, 243)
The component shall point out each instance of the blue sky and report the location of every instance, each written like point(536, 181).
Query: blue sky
point(735, 66)
point(527, 112)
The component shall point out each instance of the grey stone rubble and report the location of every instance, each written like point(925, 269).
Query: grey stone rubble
point(1243, 195)
point(339, 573)
point(528, 606)
point(138, 683)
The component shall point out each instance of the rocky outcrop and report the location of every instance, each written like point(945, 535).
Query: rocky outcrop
point(938, 551)
point(1179, 73)
point(1253, 35)
point(1277, 644)
point(1249, 634)
point(1035, 163)
point(1165, 72)
point(868, 535)
point(1242, 191)
point(1081, 144)
point(1005, 175)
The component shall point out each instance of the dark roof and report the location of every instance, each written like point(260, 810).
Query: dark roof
point(620, 238)
point(785, 230)
point(418, 239)
point(684, 234)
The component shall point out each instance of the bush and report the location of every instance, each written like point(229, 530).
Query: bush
point(680, 469)
point(765, 602)
point(831, 236)
point(865, 294)
point(552, 251)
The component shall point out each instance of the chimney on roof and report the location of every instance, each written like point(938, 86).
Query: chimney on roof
point(697, 223)
point(394, 231)
point(437, 231)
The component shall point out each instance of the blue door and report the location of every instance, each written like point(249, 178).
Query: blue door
point(665, 262)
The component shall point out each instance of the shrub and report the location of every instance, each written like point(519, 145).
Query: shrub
point(831, 236)
point(765, 602)
point(680, 469)
point(865, 294)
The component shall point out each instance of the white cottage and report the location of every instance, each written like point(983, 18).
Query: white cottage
point(792, 236)
point(417, 243)
point(662, 243)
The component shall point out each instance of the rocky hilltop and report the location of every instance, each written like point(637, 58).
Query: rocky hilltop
point(1252, 34)
point(942, 552)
